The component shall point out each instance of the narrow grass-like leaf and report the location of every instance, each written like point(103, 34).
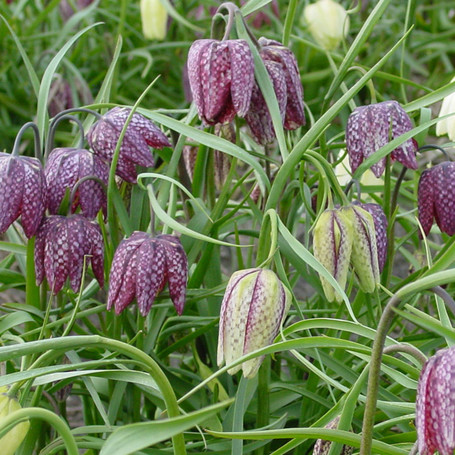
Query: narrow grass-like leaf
point(130, 438)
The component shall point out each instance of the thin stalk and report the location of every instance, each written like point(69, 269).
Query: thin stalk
point(290, 16)
point(237, 422)
point(17, 141)
point(53, 127)
point(263, 410)
point(407, 349)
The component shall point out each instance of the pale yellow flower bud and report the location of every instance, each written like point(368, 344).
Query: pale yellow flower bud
point(447, 125)
point(154, 19)
point(328, 23)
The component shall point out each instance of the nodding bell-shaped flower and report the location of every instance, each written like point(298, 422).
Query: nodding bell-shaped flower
point(322, 447)
point(61, 245)
point(435, 404)
point(447, 125)
point(436, 198)
point(371, 127)
point(364, 256)
point(154, 19)
point(332, 246)
point(64, 168)
point(22, 192)
point(142, 266)
point(253, 308)
point(221, 76)
point(328, 23)
point(141, 134)
point(13, 439)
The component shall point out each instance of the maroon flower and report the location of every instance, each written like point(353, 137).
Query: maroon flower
point(371, 127)
point(141, 134)
point(221, 76)
point(22, 192)
point(66, 9)
point(436, 198)
point(258, 117)
point(435, 405)
point(64, 168)
point(276, 52)
point(380, 226)
point(60, 248)
point(142, 266)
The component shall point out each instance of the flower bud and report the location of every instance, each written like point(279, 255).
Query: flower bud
point(154, 19)
point(254, 306)
point(447, 125)
point(322, 447)
point(435, 404)
point(328, 23)
point(332, 244)
point(13, 439)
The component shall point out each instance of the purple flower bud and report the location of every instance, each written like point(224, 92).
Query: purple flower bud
point(142, 266)
point(141, 134)
point(435, 406)
point(371, 127)
point(221, 76)
point(436, 198)
point(64, 168)
point(276, 52)
point(22, 192)
point(380, 226)
point(60, 247)
point(66, 10)
point(253, 308)
point(322, 447)
point(258, 117)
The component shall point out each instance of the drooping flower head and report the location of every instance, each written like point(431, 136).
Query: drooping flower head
point(328, 23)
point(67, 10)
point(64, 168)
point(142, 266)
point(254, 305)
point(141, 134)
point(435, 405)
point(61, 245)
point(22, 192)
point(447, 125)
point(154, 19)
point(371, 127)
point(221, 76)
point(322, 447)
point(436, 198)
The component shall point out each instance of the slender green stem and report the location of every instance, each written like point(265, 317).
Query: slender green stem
point(407, 349)
point(263, 410)
point(290, 16)
point(237, 423)
point(17, 141)
point(22, 415)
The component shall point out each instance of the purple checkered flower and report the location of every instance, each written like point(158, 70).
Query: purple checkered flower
point(322, 447)
point(141, 134)
point(61, 245)
point(64, 168)
point(275, 52)
point(22, 192)
point(221, 76)
point(142, 266)
point(253, 308)
point(371, 127)
point(435, 404)
point(436, 198)
point(380, 226)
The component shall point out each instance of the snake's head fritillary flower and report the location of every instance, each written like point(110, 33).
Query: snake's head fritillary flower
point(371, 127)
point(142, 266)
point(328, 23)
point(13, 439)
point(435, 404)
point(380, 227)
point(294, 111)
point(436, 198)
point(364, 256)
point(64, 168)
point(322, 447)
point(447, 125)
point(332, 245)
point(62, 244)
point(22, 192)
point(154, 19)
point(221, 76)
point(67, 10)
point(253, 308)
point(141, 134)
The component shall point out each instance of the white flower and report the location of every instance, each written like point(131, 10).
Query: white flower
point(328, 23)
point(154, 19)
point(447, 125)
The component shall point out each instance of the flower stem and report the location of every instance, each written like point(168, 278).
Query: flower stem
point(17, 141)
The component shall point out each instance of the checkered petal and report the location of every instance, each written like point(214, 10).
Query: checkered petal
point(443, 179)
point(426, 200)
point(40, 244)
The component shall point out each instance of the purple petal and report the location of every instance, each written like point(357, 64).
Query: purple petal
point(151, 273)
point(78, 247)
point(444, 196)
point(426, 200)
point(177, 270)
point(40, 244)
point(97, 251)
